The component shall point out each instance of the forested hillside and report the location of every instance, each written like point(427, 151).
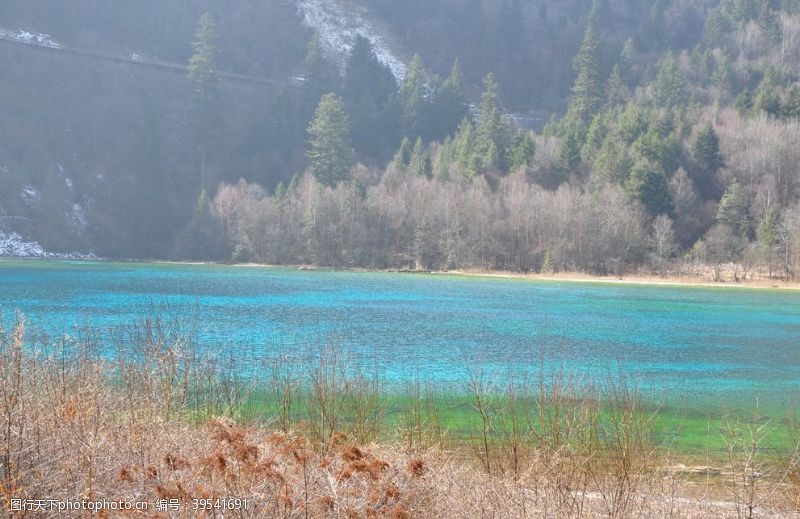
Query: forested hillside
point(668, 136)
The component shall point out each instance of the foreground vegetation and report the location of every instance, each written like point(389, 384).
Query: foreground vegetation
point(319, 435)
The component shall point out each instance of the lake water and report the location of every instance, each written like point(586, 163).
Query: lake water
point(704, 345)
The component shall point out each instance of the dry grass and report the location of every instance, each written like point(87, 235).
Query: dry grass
point(149, 424)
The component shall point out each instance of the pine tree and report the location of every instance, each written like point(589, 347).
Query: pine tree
point(320, 75)
point(790, 107)
point(716, 26)
point(569, 151)
point(464, 151)
point(617, 91)
point(733, 210)
point(413, 103)
point(744, 103)
point(330, 152)
point(444, 159)
point(769, 24)
point(766, 96)
point(521, 151)
point(722, 77)
point(705, 149)
point(202, 64)
point(450, 104)
point(587, 91)
point(419, 164)
point(204, 110)
point(767, 236)
point(403, 155)
point(370, 94)
point(669, 86)
point(744, 10)
point(649, 186)
point(626, 61)
point(201, 239)
point(489, 139)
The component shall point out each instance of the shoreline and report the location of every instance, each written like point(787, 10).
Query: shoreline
point(564, 277)
point(632, 279)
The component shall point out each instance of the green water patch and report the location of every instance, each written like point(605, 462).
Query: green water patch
point(458, 420)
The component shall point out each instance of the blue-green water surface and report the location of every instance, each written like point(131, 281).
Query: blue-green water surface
point(698, 344)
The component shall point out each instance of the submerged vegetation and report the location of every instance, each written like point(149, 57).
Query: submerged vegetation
point(318, 433)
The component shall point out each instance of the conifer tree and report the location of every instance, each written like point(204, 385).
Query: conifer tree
point(617, 91)
point(769, 24)
point(706, 149)
point(733, 210)
point(790, 107)
point(419, 164)
point(649, 186)
point(489, 138)
point(403, 155)
point(569, 151)
point(521, 151)
point(626, 61)
point(767, 236)
point(722, 77)
point(330, 152)
point(587, 91)
point(669, 86)
point(320, 75)
point(765, 98)
point(414, 107)
point(370, 94)
point(204, 109)
point(464, 152)
point(450, 104)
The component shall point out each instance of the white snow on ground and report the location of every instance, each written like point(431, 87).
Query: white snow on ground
point(339, 23)
point(30, 37)
point(29, 194)
point(13, 245)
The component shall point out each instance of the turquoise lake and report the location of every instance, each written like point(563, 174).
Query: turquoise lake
point(704, 345)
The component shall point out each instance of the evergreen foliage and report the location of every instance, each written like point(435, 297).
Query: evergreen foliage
point(330, 152)
point(587, 91)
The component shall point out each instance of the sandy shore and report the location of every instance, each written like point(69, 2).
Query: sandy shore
point(579, 277)
point(573, 277)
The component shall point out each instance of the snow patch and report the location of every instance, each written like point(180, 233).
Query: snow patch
point(29, 194)
point(338, 26)
point(39, 39)
point(13, 245)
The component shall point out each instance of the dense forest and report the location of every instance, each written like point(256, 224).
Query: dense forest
point(667, 136)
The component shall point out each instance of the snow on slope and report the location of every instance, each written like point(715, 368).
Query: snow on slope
point(13, 245)
point(339, 23)
point(29, 37)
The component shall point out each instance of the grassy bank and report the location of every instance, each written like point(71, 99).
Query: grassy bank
point(318, 434)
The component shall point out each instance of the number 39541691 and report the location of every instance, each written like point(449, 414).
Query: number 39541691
point(219, 504)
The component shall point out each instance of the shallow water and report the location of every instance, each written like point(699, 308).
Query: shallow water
point(708, 346)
